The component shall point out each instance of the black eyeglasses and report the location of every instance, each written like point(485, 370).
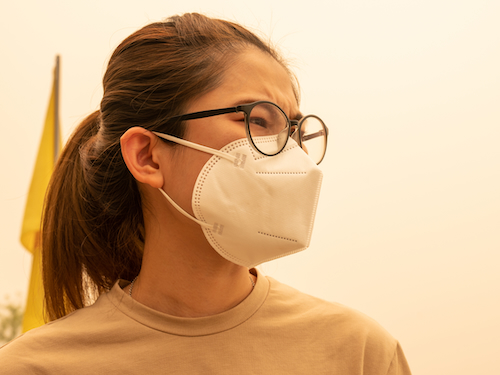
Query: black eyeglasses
point(268, 128)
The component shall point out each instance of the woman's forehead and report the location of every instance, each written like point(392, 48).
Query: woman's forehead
point(252, 75)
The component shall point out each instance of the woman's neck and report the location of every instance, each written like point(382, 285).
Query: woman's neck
point(188, 278)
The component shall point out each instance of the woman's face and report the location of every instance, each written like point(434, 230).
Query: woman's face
point(253, 76)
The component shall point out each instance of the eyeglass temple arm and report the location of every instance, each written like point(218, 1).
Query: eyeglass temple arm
point(320, 133)
point(306, 137)
point(202, 114)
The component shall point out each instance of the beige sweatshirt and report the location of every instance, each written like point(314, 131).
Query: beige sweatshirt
point(275, 330)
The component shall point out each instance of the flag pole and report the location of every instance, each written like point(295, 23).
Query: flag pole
point(56, 110)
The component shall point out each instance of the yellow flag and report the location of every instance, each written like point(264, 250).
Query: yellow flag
point(30, 232)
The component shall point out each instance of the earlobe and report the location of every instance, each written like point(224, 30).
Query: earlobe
point(139, 150)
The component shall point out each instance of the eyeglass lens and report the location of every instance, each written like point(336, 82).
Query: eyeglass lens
point(267, 120)
point(313, 137)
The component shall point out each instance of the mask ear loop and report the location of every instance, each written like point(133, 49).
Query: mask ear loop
point(181, 210)
point(198, 147)
point(235, 160)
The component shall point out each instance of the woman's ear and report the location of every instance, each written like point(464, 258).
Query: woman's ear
point(140, 152)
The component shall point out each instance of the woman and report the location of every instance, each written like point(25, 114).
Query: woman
point(184, 180)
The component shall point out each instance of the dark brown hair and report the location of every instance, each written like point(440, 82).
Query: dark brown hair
point(93, 229)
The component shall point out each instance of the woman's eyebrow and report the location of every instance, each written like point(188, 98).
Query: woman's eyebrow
point(245, 101)
point(297, 116)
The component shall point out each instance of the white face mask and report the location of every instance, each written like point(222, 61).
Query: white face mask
point(254, 208)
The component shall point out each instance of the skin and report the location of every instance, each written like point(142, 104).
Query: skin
point(181, 273)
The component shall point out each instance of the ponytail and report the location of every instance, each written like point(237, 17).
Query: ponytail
point(92, 231)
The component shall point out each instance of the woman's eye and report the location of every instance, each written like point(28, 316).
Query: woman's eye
point(259, 121)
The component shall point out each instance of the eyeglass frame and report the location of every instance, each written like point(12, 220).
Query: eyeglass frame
point(246, 109)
